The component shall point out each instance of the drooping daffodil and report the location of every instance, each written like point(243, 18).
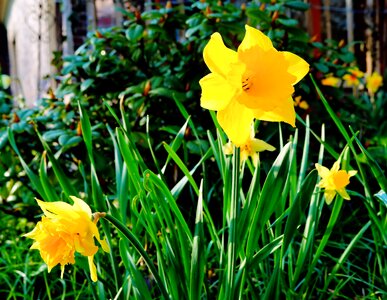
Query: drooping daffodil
point(254, 82)
point(65, 229)
point(250, 148)
point(334, 181)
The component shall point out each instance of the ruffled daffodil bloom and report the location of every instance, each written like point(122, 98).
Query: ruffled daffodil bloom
point(353, 77)
point(254, 82)
point(374, 82)
point(334, 181)
point(250, 148)
point(65, 229)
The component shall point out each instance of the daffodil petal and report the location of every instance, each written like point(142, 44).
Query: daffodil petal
point(253, 38)
point(259, 146)
point(297, 66)
point(322, 171)
point(216, 92)
point(329, 195)
point(92, 268)
point(56, 208)
point(228, 149)
point(236, 120)
point(352, 173)
point(336, 166)
point(81, 205)
point(343, 193)
point(217, 56)
point(283, 112)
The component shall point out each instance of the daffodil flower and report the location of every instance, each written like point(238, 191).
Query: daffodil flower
point(334, 181)
point(65, 229)
point(353, 76)
point(331, 81)
point(374, 82)
point(250, 148)
point(254, 82)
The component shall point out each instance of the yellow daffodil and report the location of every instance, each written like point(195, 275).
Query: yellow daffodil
point(331, 81)
point(65, 229)
point(251, 148)
point(301, 103)
point(352, 79)
point(374, 82)
point(254, 82)
point(334, 181)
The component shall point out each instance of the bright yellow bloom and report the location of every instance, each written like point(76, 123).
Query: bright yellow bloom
point(352, 79)
point(331, 81)
point(254, 82)
point(334, 181)
point(374, 82)
point(64, 229)
point(251, 148)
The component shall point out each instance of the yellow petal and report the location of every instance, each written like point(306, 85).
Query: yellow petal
point(297, 66)
point(216, 92)
point(57, 208)
point(236, 120)
point(343, 193)
point(79, 204)
point(228, 149)
point(329, 195)
point(284, 112)
point(259, 146)
point(253, 38)
point(352, 173)
point(336, 166)
point(104, 245)
point(255, 159)
point(92, 268)
point(322, 171)
point(217, 56)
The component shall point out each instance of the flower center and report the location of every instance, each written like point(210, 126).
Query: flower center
point(246, 84)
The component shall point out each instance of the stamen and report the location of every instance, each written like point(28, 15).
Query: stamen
point(246, 84)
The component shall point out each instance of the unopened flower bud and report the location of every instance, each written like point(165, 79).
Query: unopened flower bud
point(147, 88)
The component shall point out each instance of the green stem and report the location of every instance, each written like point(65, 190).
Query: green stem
point(232, 215)
point(135, 242)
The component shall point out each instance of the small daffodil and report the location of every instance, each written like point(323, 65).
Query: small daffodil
point(331, 81)
point(250, 148)
point(65, 229)
point(374, 82)
point(334, 181)
point(353, 77)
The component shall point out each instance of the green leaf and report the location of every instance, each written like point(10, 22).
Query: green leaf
point(288, 22)
point(86, 84)
point(198, 252)
point(134, 32)
point(297, 209)
point(297, 5)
